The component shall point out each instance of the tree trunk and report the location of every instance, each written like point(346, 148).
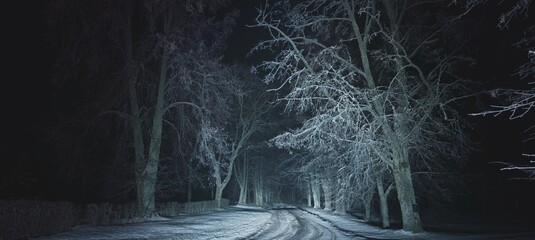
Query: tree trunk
point(327, 193)
point(367, 202)
point(267, 196)
point(340, 207)
point(243, 195)
point(383, 197)
point(402, 171)
point(222, 183)
point(189, 191)
point(190, 184)
point(340, 203)
point(259, 191)
point(150, 172)
point(406, 197)
point(277, 197)
point(142, 184)
point(316, 194)
point(242, 179)
point(218, 194)
point(309, 195)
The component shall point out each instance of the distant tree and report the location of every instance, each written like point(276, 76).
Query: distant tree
point(259, 179)
point(235, 117)
point(372, 80)
point(266, 174)
point(249, 120)
point(242, 177)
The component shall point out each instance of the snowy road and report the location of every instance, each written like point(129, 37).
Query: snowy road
point(235, 223)
point(297, 224)
point(246, 222)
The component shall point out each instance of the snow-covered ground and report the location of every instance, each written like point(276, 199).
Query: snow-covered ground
point(233, 223)
point(353, 226)
point(249, 222)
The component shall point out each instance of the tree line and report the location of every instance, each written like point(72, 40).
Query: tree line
point(369, 93)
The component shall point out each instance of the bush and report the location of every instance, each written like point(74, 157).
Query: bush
point(170, 209)
point(24, 219)
point(108, 213)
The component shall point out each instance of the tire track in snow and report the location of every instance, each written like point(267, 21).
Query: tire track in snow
point(347, 232)
point(282, 225)
point(311, 229)
point(299, 224)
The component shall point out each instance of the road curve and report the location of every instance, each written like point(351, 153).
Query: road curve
point(298, 224)
point(281, 225)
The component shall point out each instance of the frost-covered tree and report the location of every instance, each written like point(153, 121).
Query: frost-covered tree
point(242, 177)
point(144, 47)
point(231, 119)
point(252, 109)
point(373, 78)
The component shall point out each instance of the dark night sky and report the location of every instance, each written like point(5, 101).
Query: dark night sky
point(27, 103)
point(29, 107)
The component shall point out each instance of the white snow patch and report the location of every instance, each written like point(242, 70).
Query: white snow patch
point(251, 207)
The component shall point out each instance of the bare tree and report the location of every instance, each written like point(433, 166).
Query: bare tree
point(387, 99)
point(268, 175)
point(234, 131)
point(150, 44)
point(167, 25)
point(253, 105)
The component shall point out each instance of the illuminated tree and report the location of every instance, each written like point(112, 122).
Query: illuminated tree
point(242, 177)
point(372, 80)
point(252, 109)
point(234, 113)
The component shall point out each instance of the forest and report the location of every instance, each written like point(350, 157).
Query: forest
point(405, 114)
